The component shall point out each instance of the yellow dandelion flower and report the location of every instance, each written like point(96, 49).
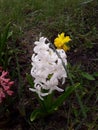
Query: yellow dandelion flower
point(61, 42)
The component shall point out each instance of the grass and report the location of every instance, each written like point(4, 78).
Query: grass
point(77, 18)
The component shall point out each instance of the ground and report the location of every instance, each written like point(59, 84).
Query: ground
point(19, 118)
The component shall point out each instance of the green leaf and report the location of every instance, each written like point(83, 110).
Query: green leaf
point(62, 98)
point(87, 76)
point(30, 80)
point(35, 114)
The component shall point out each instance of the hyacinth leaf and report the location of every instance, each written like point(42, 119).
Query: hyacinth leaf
point(35, 114)
point(38, 113)
point(62, 98)
point(87, 76)
point(48, 101)
point(30, 80)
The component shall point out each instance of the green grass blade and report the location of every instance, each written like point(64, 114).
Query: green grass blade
point(87, 76)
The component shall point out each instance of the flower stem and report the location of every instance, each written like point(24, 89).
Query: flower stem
point(71, 80)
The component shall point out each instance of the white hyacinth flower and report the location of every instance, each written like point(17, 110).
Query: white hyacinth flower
point(47, 69)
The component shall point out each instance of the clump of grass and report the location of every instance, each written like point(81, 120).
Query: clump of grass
point(14, 11)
